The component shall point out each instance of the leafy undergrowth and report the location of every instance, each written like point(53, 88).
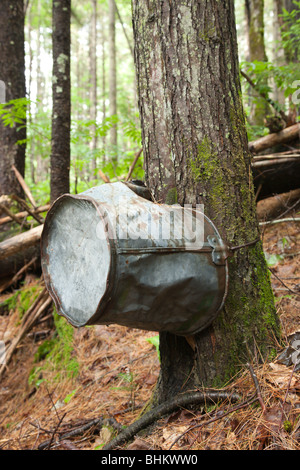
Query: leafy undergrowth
point(71, 388)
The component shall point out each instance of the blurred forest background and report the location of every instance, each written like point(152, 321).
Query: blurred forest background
point(105, 125)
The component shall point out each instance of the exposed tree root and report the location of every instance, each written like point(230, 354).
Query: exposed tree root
point(187, 399)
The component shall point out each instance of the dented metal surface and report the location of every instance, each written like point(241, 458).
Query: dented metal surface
point(111, 256)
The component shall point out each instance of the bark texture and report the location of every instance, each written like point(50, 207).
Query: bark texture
point(196, 151)
point(61, 113)
point(12, 73)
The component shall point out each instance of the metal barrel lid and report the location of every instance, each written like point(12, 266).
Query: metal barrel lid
point(95, 275)
point(76, 263)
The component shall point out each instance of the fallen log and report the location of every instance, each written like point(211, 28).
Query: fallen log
point(279, 204)
point(286, 135)
point(20, 242)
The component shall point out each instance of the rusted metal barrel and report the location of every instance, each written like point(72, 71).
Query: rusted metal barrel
point(112, 256)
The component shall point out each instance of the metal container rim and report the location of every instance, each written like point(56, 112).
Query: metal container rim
point(44, 256)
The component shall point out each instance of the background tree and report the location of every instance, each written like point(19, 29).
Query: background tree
point(61, 91)
point(112, 77)
point(195, 150)
point(289, 40)
point(257, 52)
point(93, 91)
point(12, 67)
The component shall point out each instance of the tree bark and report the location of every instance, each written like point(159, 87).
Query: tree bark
point(30, 150)
point(12, 73)
point(61, 113)
point(196, 151)
point(112, 78)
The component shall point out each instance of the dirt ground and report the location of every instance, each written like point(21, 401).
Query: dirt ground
point(115, 372)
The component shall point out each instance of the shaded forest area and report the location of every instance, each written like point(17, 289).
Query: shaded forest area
point(70, 121)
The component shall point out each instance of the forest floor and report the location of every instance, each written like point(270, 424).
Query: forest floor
point(71, 388)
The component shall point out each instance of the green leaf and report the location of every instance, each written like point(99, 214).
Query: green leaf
point(154, 340)
point(273, 259)
point(70, 395)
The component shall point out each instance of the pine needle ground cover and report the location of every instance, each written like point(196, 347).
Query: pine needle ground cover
point(69, 388)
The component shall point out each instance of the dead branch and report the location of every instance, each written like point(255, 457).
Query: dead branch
point(23, 214)
point(103, 176)
point(25, 206)
point(281, 281)
point(278, 221)
point(11, 215)
point(286, 135)
point(24, 186)
point(192, 398)
point(278, 155)
point(274, 105)
point(257, 388)
point(16, 277)
point(137, 156)
point(74, 432)
point(275, 161)
point(55, 430)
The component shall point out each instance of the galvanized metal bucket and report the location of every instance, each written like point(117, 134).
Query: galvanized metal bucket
point(112, 256)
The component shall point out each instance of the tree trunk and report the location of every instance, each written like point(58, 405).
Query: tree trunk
point(30, 150)
point(289, 5)
point(93, 89)
point(112, 78)
point(290, 53)
point(103, 89)
point(42, 164)
point(12, 69)
point(195, 151)
point(256, 45)
point(278, 54)
point(60, 155)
